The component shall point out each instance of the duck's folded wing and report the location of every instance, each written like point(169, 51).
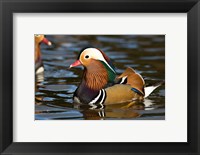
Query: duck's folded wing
point(120, 93)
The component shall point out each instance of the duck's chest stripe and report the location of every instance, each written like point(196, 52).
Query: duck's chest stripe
point(103, 96)
point(96, 98)
point(99, 98)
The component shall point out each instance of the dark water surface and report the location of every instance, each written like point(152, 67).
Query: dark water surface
point(54, 90)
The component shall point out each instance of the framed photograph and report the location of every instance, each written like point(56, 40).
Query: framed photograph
point(79, 76)
point(101, 93)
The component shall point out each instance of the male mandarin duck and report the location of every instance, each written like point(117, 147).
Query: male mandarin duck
point(98, 72)
point(38, 60)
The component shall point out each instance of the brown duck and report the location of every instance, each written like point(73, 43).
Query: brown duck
point(38, 60)
point(98, 72)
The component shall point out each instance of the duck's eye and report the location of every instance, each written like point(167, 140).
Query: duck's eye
point(37, 35)
point(87, 56)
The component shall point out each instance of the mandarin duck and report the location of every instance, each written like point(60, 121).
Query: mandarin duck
point(98, 72)
point(38, 60)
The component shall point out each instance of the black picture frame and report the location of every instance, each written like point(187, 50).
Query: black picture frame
point(8, 7)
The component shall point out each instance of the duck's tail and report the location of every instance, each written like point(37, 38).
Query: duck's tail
point(149, 89)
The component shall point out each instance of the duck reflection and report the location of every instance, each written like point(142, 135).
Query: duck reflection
point(114, 111)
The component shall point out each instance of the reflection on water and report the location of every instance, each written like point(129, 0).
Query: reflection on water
point(54, 90)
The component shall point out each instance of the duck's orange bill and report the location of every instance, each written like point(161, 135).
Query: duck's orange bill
point(76, 63)
point(46, 41)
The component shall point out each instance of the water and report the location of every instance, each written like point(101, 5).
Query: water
point(54, 90)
